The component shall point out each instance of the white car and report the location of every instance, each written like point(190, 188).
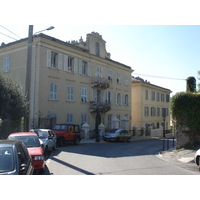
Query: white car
point(47, 137)
point(197, 158)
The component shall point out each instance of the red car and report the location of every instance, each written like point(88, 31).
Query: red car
point(33, 145)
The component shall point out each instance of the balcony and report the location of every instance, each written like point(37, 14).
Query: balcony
point(100, 82)
point(103, 107)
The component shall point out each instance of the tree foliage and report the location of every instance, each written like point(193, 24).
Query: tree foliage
point(13, 104)
point(185, 107)
point(191, 84)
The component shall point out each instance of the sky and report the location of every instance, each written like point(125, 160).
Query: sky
point(165, 55)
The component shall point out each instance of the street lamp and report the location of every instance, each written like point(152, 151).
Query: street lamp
point(164, 118)
point(97, 123)
point(47, 29)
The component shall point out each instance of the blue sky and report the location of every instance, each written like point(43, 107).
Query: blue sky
point(171, 51)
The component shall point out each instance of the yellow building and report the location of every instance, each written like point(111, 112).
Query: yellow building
point(69, 80)
point(149, 104)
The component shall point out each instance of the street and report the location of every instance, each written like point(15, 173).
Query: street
point(134, 158)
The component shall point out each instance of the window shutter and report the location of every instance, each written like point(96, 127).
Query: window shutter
point(89, 69)
point(48, 58)
point(60, 61)
point(66, 63)
point(75, 65)
point(80, 66)
point(55, 91)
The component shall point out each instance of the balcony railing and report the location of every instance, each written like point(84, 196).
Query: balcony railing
point(103, 107)
point(100, 82)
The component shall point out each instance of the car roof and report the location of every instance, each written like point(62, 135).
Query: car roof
point(9, 143)
point(23, 133)
point(41, 129)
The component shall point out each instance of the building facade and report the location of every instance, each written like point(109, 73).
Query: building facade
point(70, 80)
point(150, 103)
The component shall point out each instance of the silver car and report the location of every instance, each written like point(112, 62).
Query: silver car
point(47, 137)
point(117, 135)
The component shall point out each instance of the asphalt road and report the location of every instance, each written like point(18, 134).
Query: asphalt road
point(134, 158)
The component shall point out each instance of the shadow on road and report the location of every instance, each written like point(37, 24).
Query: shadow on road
point(72, 166)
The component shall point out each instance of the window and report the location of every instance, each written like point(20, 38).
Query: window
point(84, 97)
point(99, 71)
point(118, 99)
point(84, 68)
point(158, 96)
point(70, 67)
point(109, 97)
point(110, 74)
point(167, 97)
point(165, 112)
point(146, 94)
point(54, 60)
point(126, 99)
point(153, 95)
point(70, 93)
point(146, 111)
point(158, 111)
point(6, 64)
point(53, 91)
point(153, 111)
point(126, 79)
point(83, 118)
point(162, 97)
point(69, 118)
point(118, 77)
point(97, 49)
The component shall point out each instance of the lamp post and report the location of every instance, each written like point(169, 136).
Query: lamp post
point(97, 123)
point(164, 117)
point(28, 72)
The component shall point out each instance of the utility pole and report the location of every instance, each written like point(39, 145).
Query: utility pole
point(28, 76)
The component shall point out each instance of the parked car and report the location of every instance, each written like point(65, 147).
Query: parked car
point(33, 145)
point(14, 158)
point(117, 135)
point(197, 158)
point(67, 133)
point(47, 137)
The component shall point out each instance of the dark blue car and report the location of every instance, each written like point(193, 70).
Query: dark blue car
point(14, 158)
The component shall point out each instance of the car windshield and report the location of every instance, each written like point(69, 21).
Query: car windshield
point(29, 141)
point(6, 159)
point(60, 127)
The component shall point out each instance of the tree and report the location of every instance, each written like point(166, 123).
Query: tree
point(199, 83)
point(13, 104)
point(191, 84)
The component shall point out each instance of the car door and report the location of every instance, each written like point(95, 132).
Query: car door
point(24, 163)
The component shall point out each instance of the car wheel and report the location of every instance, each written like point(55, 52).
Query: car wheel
point(54, 147)
point(60, 142)
point(129, 139)
point(46, 151)
point(117, 140)
point(77, 141)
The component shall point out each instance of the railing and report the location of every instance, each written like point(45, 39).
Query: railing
point(102, 107)
point(100, 82)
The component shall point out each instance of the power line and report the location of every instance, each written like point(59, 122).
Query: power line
point(153, 76)
point(10, 31)
point(8, 36)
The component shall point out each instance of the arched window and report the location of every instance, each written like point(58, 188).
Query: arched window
point(97, 49)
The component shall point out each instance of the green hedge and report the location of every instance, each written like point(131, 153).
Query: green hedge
point(185, 108)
